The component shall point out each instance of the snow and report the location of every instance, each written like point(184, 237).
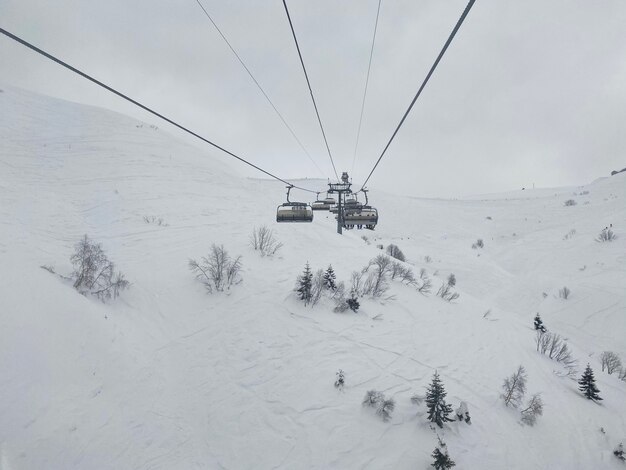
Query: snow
point(169, 376)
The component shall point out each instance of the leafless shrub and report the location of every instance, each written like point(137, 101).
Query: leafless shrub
point(452, 280)
point(514, 388)
point(611, 362)
point(534, 409)
point(569, 234)
point(402, 273)
point(606, 235)
point(564, 293)
point(622, 373)
point(93, 272)
point(395, 252)
point(584, 193)
point(217, 271)
point(376, 282)
point(317, 287)
point(264, 241)
point(425, 284)
point(447, 293)
point(385, 408)
point(555, 347)
point(380, 247)
point(372, 398)
point(365, 239)
point(427, 259)
point(153, 219)
point(569, 202)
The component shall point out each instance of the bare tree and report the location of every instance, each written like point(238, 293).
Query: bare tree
point(264, 241)
point(94, 273)
point(395, 252)
point(217, 271)
point(376, 282)
point(564, 293)
point(556, 348)
point(534, 408)
point(514, 388)
point(611, 362)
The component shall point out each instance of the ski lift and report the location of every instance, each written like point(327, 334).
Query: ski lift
point(360, 215)
point(294, 211)
point(322, 205)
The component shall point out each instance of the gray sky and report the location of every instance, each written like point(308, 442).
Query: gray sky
point(529, 92)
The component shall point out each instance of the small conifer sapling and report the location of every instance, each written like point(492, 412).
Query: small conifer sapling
point(438, 409)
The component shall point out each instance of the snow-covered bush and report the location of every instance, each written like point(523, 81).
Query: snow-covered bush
point(478, 244)
point(93, 272)
point(353, 302)
point(217, 270)
point(452, 280)
point(462, 413)
point(564, 293)
point(619, 452)
point(365, 239)
point(606, 235)
point(569, 202)
point(538, 322)
point(611, 362)
point(514, 388)
point(341, 379)
point(534, 409)
point(264, 241)
point(395, 252)
point(384, 406)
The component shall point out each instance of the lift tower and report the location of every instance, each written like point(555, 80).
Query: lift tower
point(340, 189)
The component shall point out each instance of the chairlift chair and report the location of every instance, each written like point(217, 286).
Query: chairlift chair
point(361, 215)
point(322, 205)
point(294, 211)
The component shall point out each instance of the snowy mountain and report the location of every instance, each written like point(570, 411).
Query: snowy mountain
point(169, 376)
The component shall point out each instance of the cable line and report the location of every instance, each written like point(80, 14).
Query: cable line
point(145, 108)
point(259, 86)
point(419, 92)
point(306, 75)
point(367, 79)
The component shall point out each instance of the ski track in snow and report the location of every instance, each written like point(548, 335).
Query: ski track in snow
point(169, 376)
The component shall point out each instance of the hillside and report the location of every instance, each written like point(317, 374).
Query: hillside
point(168, 376)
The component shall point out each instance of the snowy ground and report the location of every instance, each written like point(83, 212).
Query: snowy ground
point(170, 377)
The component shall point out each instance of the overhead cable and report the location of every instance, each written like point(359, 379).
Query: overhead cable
point(278, 113)
point(367, 79)
point(432, 69)
point(145, 108)
point(306, 75)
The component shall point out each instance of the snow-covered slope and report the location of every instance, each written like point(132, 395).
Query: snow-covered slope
point(168, 376)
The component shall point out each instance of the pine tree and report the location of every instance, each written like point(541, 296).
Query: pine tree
point(442, 460)
point(329, 278)
point(438, 409)
point(305, 282)
point(588, 385)
point(539, 323)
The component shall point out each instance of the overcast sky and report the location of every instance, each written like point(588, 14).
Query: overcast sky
point(529, 91)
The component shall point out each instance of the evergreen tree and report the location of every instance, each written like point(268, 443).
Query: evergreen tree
point(588, 385)
point(539, 324)
point(438, 409)
point(442, 460)
point(305, 282)
point(329, 278)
